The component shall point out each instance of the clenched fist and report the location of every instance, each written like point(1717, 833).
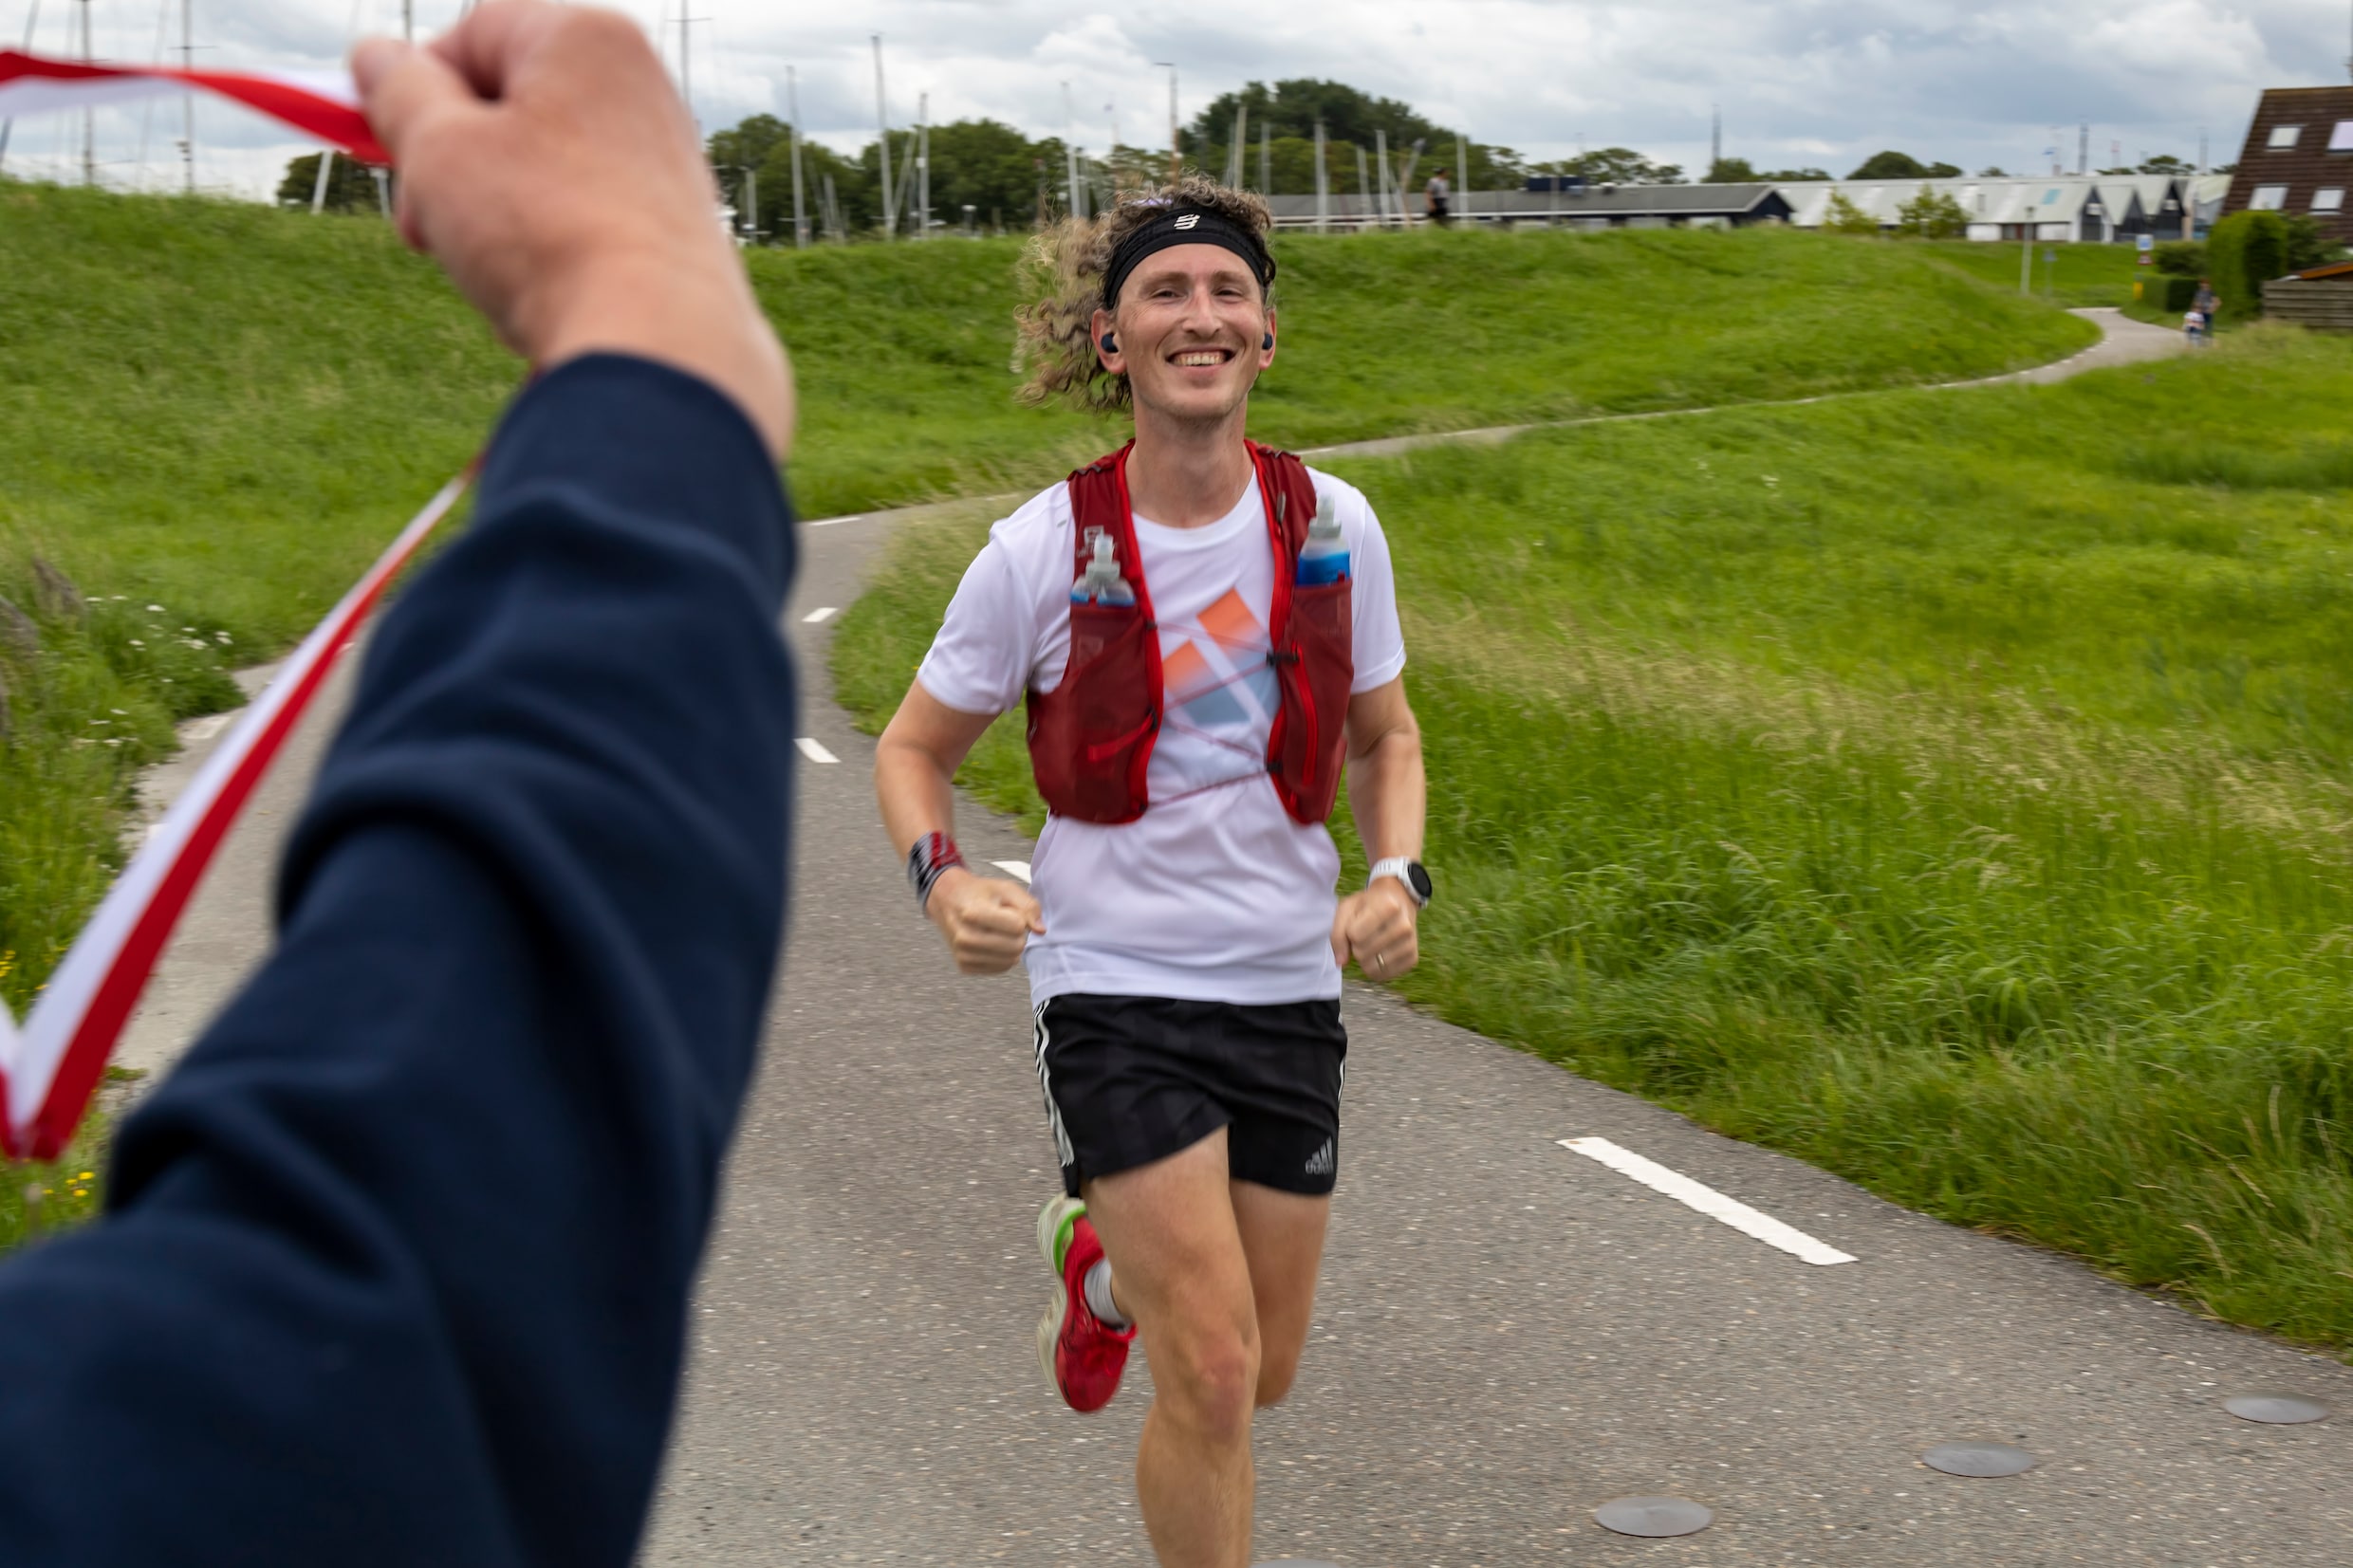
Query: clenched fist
point(549, 166)
point(1380, 929)
point(987, 921)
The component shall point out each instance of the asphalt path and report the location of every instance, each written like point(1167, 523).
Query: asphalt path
point(1507, 1335)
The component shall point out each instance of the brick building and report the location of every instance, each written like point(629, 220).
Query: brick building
point(2299, 157)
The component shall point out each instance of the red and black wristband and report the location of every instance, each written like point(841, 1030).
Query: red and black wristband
point(928, 861)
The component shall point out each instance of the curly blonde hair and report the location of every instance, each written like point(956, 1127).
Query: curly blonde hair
point(1053, 340)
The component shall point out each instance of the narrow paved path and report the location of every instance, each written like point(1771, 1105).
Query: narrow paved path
point(1509, 1334)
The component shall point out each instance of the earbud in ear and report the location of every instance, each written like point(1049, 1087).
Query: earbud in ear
point(1110, 343)
point(1267, 342)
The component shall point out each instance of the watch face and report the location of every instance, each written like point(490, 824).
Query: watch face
point(1417, 879)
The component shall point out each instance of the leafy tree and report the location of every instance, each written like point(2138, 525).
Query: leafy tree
point(351, 185)
point(1289, 111)
point(747, 144)
point(1613, 166)
point(1932, 215)
point(1895, 165)
point(1844, 218)
point(1292, 107)
point(2164, 164)
point(1992, 171)
point(2308, 244)
point(989, 166)
point(1739, 171)
point(855, 190)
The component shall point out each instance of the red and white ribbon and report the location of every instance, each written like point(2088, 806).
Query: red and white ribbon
point(318, 104)
point(49, 1069)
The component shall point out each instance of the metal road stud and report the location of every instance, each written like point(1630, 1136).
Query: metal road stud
point(2277, 1409)
point(1654, 1515)
point(1978, 1458)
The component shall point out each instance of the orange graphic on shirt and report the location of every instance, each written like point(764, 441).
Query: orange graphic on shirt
point(1213, 674)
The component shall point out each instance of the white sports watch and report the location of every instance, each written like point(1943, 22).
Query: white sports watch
point(1408, 871)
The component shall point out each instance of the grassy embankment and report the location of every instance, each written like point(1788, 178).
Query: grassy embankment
point(212, 414)
point(1944, 787)
point(2078, 275)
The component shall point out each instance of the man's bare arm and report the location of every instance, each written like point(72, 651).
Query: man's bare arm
point(987, 921)
point(1388, 792)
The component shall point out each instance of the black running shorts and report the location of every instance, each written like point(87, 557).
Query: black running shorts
point(1131, 1080)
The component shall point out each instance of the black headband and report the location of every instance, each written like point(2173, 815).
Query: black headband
point(1185, 226)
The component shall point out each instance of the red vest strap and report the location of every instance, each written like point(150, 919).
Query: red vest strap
point(1091, 738)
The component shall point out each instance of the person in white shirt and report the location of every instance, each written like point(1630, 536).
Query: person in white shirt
point(1203, 630)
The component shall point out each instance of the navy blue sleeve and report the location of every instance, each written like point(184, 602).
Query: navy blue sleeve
point(398, 1266)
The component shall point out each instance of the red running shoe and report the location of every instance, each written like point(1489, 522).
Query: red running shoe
point(1083, 1358)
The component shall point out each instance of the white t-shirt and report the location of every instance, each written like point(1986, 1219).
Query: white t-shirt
point(1215, 894)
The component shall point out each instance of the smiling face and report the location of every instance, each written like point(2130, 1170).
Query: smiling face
point(1189, 327)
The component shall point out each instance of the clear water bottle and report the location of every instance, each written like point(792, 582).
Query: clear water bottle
point(1323, 559)
point(1102, 583)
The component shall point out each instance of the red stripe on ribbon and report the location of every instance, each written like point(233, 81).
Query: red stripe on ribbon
point(312, 113)
point(95, 1033)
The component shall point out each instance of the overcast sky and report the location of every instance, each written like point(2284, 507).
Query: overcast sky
point(1799, 81)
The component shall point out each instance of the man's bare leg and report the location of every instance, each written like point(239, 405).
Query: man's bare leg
point(1283, 1240)
point(1219, 1277)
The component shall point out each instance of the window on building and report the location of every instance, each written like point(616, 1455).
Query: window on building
point(2051, 197)
point(2341, 140)
point(2268, 198)
point(2284, 138)
point(2330, 201)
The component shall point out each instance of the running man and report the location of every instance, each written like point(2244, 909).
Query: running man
point(1204, 631)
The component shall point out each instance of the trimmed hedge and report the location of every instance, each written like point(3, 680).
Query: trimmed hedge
point(2245, 251)
point(2166, 292)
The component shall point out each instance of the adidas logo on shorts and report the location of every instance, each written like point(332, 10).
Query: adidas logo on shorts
point(1319, 1163)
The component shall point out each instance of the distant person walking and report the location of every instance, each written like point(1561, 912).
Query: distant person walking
point(1434, 199)
point(2199, 324)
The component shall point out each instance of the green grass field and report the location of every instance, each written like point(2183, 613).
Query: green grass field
point(1944, 787)
point(213, 415)
point(901, 353)
point(2075, 275)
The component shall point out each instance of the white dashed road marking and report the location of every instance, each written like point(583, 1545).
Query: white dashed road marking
point(819, 616)
point(1708, 1201)
point(1018, 870)
point(815, 752)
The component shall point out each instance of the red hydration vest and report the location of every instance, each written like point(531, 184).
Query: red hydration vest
point(1091, 737)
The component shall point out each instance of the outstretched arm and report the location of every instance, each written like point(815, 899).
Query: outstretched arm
point(396, 1267)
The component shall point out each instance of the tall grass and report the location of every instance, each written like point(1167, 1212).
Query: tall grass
point(1939, 786)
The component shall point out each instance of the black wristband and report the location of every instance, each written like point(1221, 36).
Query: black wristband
point(928, 861)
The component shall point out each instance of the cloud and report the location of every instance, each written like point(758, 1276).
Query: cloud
point(1822, 82)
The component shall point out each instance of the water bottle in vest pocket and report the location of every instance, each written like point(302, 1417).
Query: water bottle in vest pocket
point(1324, 556)
point(1316, 660)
